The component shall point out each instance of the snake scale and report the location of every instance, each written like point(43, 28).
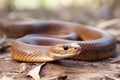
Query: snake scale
point(51, 40)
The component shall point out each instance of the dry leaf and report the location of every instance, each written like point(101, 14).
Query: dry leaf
point(108, 23)
point(22, 67)
point(2, 38)
point(107, 77)
point(34, 73)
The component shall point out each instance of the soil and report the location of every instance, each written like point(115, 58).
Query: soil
point(108, 69)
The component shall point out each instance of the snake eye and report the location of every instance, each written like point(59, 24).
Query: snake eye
point(65, 47)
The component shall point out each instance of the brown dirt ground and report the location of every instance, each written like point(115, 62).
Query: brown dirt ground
point(108, 69)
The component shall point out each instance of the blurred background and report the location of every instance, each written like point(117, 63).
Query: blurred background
point(91, 12)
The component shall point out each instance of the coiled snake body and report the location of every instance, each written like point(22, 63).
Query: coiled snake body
point(97, 44)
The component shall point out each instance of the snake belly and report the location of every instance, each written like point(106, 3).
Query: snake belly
point(96, 45)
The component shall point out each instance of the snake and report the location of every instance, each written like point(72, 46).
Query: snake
point(50, 40)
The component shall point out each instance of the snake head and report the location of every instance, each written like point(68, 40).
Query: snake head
point(60, 51)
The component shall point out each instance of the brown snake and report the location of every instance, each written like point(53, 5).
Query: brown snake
point(97, 44)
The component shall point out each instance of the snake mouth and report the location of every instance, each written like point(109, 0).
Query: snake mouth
point(66, 55)
point(67, 50)
point(61, 56)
